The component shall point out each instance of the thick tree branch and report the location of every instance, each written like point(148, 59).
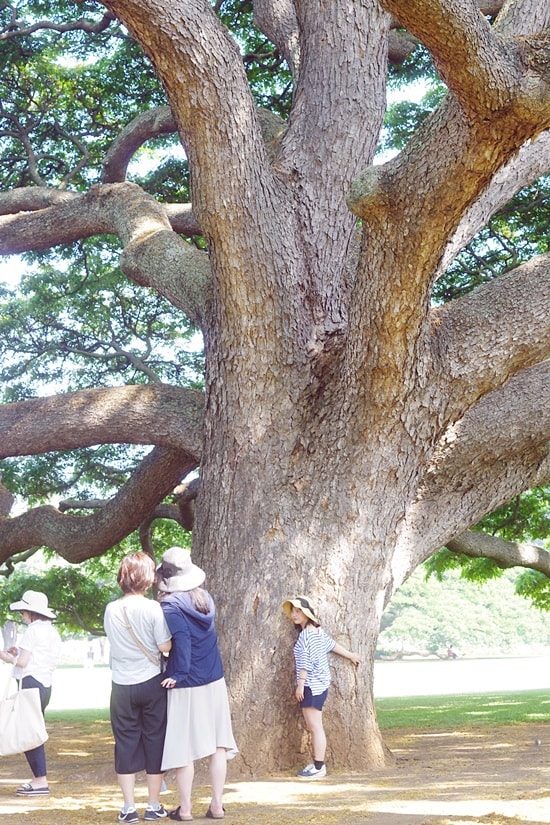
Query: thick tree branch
point(6, 500)
point(216, 116)
point(401, 45)
point(504, 553)
point(32, 198)
point(18, 28)
point(157, 414)
point(413, 190)
point(81, 504)
point(142, 128)
point(353, 60)
point(183, 515)
point(153, 255)
point(465, 50)
point(499, 449)
point(512, 420)
point(160, 121)
point(77, 538)
point(506, 321)
point(532, 161)
point(490, 7)
point(438, 516)
point(411, 193)
point(422, 202)
point(523, 17)
point(278, 21)
point(185, 495)
point(359, 36)
point(63, 222)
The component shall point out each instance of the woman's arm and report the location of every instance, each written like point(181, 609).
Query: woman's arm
point(179, 662)
point(299, 692)
point(19, 660)
point(346, 654)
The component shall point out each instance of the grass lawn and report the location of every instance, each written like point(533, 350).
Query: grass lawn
point(88, 716)
point(467, 758)
point(443, 712)
point(464, 711)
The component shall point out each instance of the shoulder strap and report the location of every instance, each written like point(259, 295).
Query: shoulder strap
point(137, 641)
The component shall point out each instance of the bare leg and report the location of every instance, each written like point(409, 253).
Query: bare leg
point(127, 782)
point(154, 784)
point(217, 764)
point(184, 779)
point(314, 723)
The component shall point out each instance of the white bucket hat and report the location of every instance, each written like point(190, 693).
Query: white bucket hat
point(34, 602)
point(177, 571)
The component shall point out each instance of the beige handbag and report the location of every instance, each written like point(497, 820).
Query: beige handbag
point(22, 725)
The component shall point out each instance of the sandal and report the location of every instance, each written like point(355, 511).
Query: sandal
point(175, 814)
point(210, 815)
point(26, 789)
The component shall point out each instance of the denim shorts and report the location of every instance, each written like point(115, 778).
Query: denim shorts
point(311, 701)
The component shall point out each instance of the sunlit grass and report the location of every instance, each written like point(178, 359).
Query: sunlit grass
point(463, 711)
point(458, 711)
point(87, 716)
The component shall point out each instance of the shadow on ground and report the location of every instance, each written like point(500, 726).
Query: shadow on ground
point(483, 776)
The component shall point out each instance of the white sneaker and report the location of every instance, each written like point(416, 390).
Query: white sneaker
point(311, 772)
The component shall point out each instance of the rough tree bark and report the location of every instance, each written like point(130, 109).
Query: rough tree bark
point(349, 429)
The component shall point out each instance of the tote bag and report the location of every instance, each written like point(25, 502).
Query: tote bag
point(22, 725)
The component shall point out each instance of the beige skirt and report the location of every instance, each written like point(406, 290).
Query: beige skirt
point(199, 722)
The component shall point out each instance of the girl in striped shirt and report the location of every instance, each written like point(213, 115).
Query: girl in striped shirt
point(313, 677)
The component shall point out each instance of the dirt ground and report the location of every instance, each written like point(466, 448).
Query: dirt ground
point(486, 775)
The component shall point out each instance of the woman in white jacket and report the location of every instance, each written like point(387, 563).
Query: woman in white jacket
point(34, 663)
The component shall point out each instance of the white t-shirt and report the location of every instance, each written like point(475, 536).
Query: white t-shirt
point(129, 664)
point(43, 642)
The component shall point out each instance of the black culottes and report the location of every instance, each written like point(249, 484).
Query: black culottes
point(138, 721)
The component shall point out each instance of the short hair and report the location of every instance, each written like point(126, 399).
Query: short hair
point(136, 573)
point(36, 617)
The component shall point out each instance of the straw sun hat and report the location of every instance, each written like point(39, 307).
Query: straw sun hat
point(302, 604)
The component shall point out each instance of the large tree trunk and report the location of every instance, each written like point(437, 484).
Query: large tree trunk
point(304, 486)
point(262, 543)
